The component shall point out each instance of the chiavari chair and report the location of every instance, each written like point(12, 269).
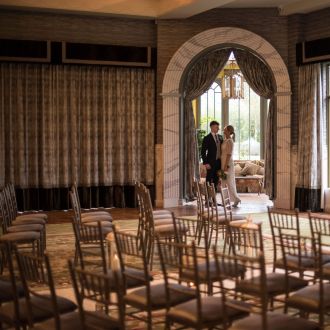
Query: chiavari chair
point(105, 290)
point(259, 318)
point(199, 311)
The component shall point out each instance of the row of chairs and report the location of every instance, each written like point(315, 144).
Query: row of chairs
point(188, 267)
point(241, 273)
point(245, 286)
point(212, 215)
point(83, 225)
point(27, 306)
point(25, 230)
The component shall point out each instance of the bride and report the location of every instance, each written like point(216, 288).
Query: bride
point(227, 163)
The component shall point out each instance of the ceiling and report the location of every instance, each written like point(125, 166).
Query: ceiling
point(163, 9)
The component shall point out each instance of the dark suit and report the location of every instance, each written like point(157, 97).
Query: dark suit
point(209, 156)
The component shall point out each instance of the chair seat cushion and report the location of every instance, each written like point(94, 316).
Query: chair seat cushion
point(95, 213)
point(163, 221)
point(275, 321)
point(308, 298)
point(208, 271)
point(326, 271)
point(25, 236)
point(162, 212)
point(163, 215)
point(71, 321)
point(100, 320)
point(68, 321)
point(31, 227)
point(212, 312)
point(164, 230)
point(18, 222)
point(38, 314)
point(42, 216)
point(106, 227)
point(135, 277)
point(179, 294)
point(275, 284)
point(293, 262)
point(6, 290)
point(223, 219)
point(96, 218)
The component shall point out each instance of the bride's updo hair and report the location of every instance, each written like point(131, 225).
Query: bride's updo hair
point(231, 131)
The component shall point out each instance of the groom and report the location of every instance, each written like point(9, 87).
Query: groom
point(211, 153)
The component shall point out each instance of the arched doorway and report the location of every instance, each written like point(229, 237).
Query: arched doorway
point(172, 101)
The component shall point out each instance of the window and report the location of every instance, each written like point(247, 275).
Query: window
point(210, 107)
point(244, 115)
point(247, 115)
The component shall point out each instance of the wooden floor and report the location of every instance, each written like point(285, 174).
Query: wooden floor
point(251, 203)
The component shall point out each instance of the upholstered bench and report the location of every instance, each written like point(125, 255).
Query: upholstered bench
point(249, 175)
point(252, 182)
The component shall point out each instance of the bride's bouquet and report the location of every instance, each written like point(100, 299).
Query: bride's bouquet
point(222, 174)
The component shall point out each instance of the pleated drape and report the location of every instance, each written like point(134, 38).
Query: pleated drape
point(60, 124)
point(199, 79)
point(259, 78)
point(312, 151)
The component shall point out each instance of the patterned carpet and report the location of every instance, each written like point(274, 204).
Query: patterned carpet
point(60, 248)
point(60, 243)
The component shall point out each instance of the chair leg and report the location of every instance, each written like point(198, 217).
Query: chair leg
point(152, 255)
point(149, 320)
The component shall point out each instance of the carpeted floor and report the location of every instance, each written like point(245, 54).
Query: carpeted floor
point(60, 243)
point(60, 248)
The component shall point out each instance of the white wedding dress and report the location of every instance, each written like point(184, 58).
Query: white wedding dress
point(227, 148)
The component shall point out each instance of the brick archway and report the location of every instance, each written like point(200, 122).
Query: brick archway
point(172, 102)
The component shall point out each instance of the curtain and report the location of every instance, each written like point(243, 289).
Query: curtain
point(312, 139)
point(199, 79)
point(259, 77)
point(61, 124)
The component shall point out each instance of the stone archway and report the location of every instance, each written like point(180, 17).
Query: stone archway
point(172, 98)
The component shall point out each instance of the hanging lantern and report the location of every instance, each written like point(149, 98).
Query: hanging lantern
point(232, 82)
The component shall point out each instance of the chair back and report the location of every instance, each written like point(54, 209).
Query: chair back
point(187, 230)
point(287, 221)
point(14, 292)
point(319, 224)
point(246, 239)
point(297, 248)
point(12, 194)
point(90, 238)
point(35, 269)
point(10, 201)
point(232, 286)
point(75, 205)
point(226, 202)
point(98, 288)
point(4, 212)
point(177, 259)
point(199, 201)
point(132, 254)
point(141, 195)
point(74, 189)
point(212, 202)
point(203, 199)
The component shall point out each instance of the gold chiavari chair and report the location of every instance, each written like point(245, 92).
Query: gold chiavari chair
point(259, 317)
